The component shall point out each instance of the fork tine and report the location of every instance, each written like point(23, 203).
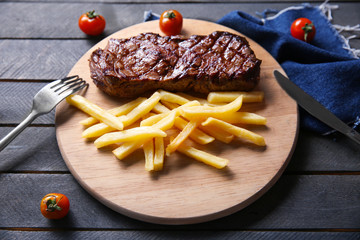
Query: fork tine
point(71, 80)
point(53, 83)
point(69, 85)
point(64, 85)
point(64, 82)
point(78, 88)
point(57, 82)
point(73, 88)
point(70, 77)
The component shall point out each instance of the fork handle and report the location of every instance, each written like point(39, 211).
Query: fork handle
point(18, 129)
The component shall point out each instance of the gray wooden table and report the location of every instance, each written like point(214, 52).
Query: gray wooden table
point(318, 196)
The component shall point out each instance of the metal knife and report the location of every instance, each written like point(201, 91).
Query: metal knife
point(315, 108)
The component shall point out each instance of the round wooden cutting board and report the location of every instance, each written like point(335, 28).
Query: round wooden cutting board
point(185, 191)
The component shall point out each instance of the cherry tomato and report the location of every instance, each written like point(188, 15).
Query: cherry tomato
point(54, 206)
point(303, 29)
point(171, 22)
point(92, 23)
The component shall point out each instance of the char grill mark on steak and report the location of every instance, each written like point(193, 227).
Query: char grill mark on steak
point(220, 61)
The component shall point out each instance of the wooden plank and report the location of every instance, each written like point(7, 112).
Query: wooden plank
point(40, 59)
point(29, 153)
point(305, 202)
point(210, 235)
point(318, 153)
point(170, 1)
point(21, 24)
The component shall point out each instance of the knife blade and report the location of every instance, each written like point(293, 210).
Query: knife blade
point(313, 107)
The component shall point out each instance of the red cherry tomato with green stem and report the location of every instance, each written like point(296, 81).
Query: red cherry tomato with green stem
point(92, 23)
point(171, 22)
point(54, 206)
point(303, 29)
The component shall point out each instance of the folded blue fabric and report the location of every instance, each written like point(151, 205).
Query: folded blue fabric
point(323, 69)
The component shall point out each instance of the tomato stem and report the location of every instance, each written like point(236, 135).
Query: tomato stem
point(52, 205)
point(308, 28)
point(92, 14)
point(170, 15)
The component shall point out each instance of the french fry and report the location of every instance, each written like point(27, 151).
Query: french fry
point(142, 109)
point(126, 149)
point(176, 107)
point(159, 153)
point(153, 119)
point(207, 111)
point(203, 135)
point(243, 117)
point(172, 97)
point(167, 122)
point(181, 137)
point(237, 131)
point(218, 133)
point(160, 117)
point(225, 97)
point(97, 130)
point(118, 111)
point(138, 112)
point(159, 108)
point(148, 115)
point(170, 105)
point(95, 111)
point(204, 157)
point(197, 135)
point(149, 155)
point(133, 134)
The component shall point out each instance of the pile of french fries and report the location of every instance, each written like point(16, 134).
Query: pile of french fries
point(144, 123)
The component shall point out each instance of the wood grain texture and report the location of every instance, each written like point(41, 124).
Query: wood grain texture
point(167, 1)
point(301, 202)
point(178, 194)
point(40, 59)
point(178, 235)
point(35, 149)
point(317, 153)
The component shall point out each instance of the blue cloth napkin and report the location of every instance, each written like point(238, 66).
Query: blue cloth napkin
point(323, 69)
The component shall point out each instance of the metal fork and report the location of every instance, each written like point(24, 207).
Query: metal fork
point(44, 101)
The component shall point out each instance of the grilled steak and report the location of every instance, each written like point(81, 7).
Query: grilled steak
point(220, 61)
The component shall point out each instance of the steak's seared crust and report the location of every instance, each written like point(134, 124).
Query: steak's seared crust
point(220, 61)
